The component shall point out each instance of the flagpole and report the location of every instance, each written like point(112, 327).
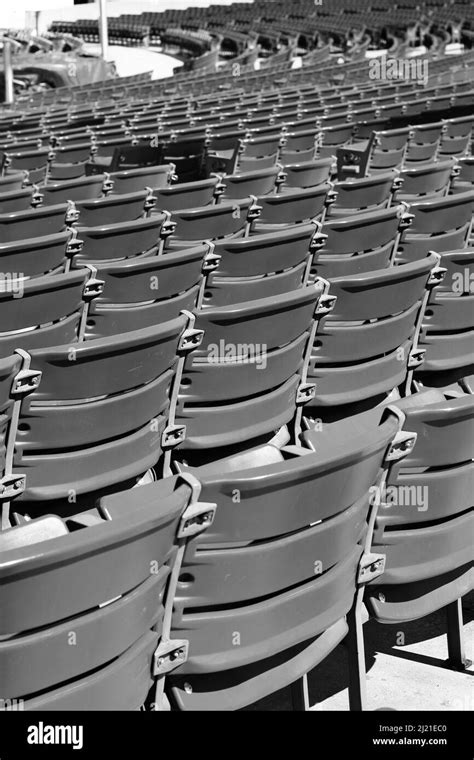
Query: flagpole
point(103, 32)
point(8, 70)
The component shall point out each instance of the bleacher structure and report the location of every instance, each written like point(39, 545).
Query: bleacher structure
point(236, 366)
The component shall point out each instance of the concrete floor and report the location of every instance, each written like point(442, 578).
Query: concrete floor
point(409, 677)
point(135, 60)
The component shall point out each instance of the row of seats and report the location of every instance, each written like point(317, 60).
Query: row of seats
point(234, 423)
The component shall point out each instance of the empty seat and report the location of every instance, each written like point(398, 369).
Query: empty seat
point(112, 209)
point(97, 573)
point(73, 190)
point(45, 220)
point(293, 206)
point(448, 334)
point(43, 311)
point(260, 182)
point(424, 142)
point(133, 180)
point(361, 242)
point(259, 611)
point(367, 344)
point(425, 522)
point(141, 292)
point(430, 179)
point(307, 173)
point(364, 194)
point(100, 413)
point(212, 222)
point(260, 266)
point(34, 257)
point(35, 162)
point(20, 200)
point(243, 381)
point(121, 240)
point(439, 224)
point(185, 195)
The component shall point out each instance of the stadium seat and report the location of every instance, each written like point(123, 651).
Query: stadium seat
point(249, 639)
point(424, 522)
point(439, 224)
point(243, 381)
point(37, 256)
point(204, 192)
point(112, 209)
point(364, 194)
point(428, 180)
point(368, 344)
point(448, 334)
point(121, 240)
point(45, 220)
point(261, 266)
point(134, 180)
point(44, 311)
point(307, 173)
point(126, 381)
point(98, 572)
point(260, 182)
point(141, 292)
point(294, 206)
point(212, 222)
point(361, 242)
point(20, 200)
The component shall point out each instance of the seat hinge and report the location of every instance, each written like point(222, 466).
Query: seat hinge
point(190, 339)
point(402, 444)
point(325, 305)
point(93, 288)
point(416, 357)
point(25, 381)
point(305, 392)
point(12, 486)
point(72, 213)
point(437, 275)
point(196, 518)
point(172, 436)
point(370, 567)
point(170, 655)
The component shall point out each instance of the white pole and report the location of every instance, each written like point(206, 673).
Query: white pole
point(103, 32)
point(8, 70)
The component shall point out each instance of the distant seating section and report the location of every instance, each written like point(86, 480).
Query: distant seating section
point(236, 362)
